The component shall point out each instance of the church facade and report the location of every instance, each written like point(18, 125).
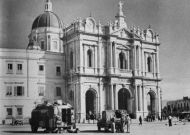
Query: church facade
point(91, 66)
point(112, 67)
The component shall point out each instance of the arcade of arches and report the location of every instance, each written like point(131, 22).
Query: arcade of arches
point(125, 100)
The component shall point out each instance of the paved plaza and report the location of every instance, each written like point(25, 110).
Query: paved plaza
point(148, 128)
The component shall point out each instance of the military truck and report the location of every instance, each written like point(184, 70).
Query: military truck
point(51, 117)
point(112, 119)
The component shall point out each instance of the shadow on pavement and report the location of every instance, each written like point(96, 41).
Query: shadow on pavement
point(94, 131)
point(22, 132)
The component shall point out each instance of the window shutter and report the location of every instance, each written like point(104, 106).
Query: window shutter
point(55, 93)
point(11, 90)
point(23, 90)
point(15, 91)
point(7, 90)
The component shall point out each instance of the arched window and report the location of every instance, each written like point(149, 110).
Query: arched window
point(89, 58)
point(71, 60)
point(122, 60)
point(149, 64)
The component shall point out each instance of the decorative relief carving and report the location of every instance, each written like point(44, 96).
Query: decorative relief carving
point(119, 80)
point(13, 82)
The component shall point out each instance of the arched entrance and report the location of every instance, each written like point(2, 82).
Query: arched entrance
point(151, 102)
point(124, 100)
point(91, 101)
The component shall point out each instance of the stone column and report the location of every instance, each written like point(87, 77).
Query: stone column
point(140, 60)
point(134, 64)
point(137, 58)
point(116, 97)
point(110, 45)
point(79, 100)
point(145, 63)
point(95, 59)
point(111, 97)
point(136, 98)
point(81, 55)
point(141, 98)
point(115, 55)
point(83, 105)
point(128, 60)
point(47, 43)
point(99, 57)
point(142, 64)
point(158, 103)
point(107, 97)
point(145, 101)
point(100, 98)
point(157, 62)
point(75, 56)
point(116, 62)
point(84, 58)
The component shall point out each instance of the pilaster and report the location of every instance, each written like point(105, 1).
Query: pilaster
point(139, 50)
point(157, 61)
point(81, 56)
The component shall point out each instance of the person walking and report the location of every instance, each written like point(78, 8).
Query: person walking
point(140, 120)
point(128, 123)
point(170, 121)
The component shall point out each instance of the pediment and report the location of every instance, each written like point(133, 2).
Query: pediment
point(122, 33)
point(136, 36)
point(123, 47)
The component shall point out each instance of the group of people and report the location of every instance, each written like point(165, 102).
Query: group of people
point(128, 123)
point(169, 120)
point(90, 116)
point(150, 118)
point(124, 122)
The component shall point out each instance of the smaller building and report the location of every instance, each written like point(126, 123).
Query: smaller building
point(176, 106)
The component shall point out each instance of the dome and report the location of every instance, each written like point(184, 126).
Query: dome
point(47, 19)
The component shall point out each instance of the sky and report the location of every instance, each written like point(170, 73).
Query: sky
point(169, 18)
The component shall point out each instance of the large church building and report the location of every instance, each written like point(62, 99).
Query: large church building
point(91, 66)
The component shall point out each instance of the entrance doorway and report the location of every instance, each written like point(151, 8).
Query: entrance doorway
point(151, 102)
point(91, 105)
point(124, 99)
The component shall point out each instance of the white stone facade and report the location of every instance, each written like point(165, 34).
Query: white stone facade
point(93, 67)
point(105, 60)
point(24, 84)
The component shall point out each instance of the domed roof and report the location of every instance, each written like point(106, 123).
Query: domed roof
point(47, 19)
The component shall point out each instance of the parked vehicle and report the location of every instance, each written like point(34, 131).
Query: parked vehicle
point(112, 119)
point(51, 117)
point(184, 116)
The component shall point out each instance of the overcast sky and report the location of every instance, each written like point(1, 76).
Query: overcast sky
point(169, 18)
